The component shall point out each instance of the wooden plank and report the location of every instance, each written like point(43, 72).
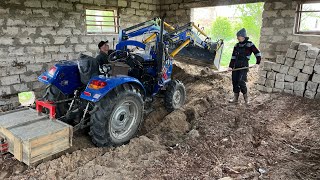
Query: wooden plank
point(49, 138)
point(17, 149)
point(43, 156)
point(15, 144)
point(50, 147)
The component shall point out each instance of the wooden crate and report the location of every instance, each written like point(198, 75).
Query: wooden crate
point(33, 137)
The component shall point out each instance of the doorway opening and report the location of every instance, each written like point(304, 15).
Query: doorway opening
point(223, 22)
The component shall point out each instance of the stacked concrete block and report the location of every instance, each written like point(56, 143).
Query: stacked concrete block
point(297, 73)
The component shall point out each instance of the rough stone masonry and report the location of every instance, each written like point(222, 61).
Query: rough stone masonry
point(298, 72)
point(34, 34)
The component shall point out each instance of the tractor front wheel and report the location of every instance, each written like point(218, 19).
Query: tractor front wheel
point(118, 117)
point(175, 95)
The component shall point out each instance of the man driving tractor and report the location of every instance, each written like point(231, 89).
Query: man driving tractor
point(102, 58)
point(240, 60)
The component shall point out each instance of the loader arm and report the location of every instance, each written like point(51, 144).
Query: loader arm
point(190, 41)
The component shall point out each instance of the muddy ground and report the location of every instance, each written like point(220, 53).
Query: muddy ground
point(276, 137)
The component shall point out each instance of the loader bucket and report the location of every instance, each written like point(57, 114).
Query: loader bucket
point(202, 57)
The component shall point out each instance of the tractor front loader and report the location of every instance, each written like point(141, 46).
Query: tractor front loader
point(110, 100)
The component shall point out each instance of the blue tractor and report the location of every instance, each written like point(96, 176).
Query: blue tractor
point(112, 99)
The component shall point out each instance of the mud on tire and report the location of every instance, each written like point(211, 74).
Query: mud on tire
point(118, 117)
point(175, 95)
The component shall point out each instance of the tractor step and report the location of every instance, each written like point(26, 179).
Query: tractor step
point(32, 137)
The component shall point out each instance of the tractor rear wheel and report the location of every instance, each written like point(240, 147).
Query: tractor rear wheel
point(52, 93)
point(118, 118)
point(175, 95)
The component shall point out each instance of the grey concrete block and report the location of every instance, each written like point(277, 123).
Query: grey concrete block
point(317, 68)
point(301, 55)
point(307, 69)
point(276, 67)
point(275, 90)
point(309, 94)
point(291, 53)
point(280, 77)
point(284, 69)
point(304, 47)
point(312, 86)
point(293, 71)
point(280, 59)
point(279, 85)
point(260, 87)
point(267, 65)
point(313, 52)
point(289, 62)
point(288, 85)
point(289, 78)
point(316, 78)
point(269, 83)
point(310, 62)
point(271, 75)
point(263, 73)
point(299, 64)
point(8, 80)
point(294, 45)
point(299, 93)
point(261, 80)
point(288, 91)
point(267, 89)
point(303, 77)
point(299, 86)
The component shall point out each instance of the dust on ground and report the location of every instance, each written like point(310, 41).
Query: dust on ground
point(276, 137)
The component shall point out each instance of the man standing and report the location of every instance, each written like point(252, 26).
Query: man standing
point(102, 58)
point(240, 59)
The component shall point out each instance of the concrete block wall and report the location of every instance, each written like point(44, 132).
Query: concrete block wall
point(297, 72)
point(278, 29)
point(34, 34)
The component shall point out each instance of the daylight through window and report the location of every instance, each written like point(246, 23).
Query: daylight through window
point(102, 21)
point(308, 18)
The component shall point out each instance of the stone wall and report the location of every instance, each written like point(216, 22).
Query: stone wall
point(34, 34)
point(298, 72)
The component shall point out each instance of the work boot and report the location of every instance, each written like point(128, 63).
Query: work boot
point(235, 98)
point(246, 99)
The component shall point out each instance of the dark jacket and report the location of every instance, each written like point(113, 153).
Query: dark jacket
point(102, 58)
point(241, 54)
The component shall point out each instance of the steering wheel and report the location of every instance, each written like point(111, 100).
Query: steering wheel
point(118, 56)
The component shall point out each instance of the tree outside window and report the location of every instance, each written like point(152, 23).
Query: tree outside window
point(102, 21)
point(308, 19)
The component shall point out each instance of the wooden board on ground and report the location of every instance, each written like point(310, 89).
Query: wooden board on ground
point(33, 137)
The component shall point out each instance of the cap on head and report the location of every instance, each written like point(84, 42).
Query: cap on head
point(101, 43)
point(242, 33)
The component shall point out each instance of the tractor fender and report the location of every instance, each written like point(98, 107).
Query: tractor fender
point(94, 95)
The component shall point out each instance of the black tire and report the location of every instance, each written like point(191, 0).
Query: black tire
point(52, 93)
point(111, 116)
point(175, 95)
